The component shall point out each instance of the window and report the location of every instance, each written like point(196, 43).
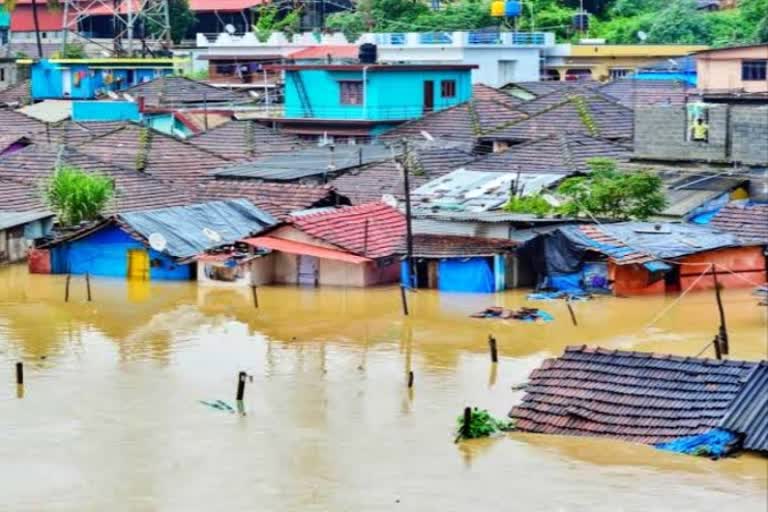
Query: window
point(753, 69)
point(448, 88)
point(617, 73)
point(2, 74)
point(351, 92)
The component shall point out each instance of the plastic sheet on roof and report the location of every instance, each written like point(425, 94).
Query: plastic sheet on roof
point(190, 230)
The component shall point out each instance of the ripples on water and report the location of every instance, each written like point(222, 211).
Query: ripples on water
point(111, 419)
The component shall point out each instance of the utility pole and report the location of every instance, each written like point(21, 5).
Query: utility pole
point(408, 227)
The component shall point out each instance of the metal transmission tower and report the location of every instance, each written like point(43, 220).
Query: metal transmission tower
point(138, 26)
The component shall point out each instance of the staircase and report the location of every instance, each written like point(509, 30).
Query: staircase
point(306, 106)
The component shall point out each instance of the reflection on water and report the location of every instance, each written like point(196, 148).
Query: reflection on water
point(111, 414)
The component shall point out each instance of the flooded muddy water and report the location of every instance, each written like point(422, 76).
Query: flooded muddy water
point(110, 417)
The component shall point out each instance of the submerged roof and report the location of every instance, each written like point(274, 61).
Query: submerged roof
point(9, 219)
point(373, 230)
point(191, 230)
point(748, 414)
point(635, 396)
point(427, 245)
point(748, 221)
point(306, 162)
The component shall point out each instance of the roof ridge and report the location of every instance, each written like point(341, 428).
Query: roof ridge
point(347, 209)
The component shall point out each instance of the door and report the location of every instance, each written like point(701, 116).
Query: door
point(307, 270)
point(506, 72)
point(66, 82)
point(138, 264)
point(429, 96)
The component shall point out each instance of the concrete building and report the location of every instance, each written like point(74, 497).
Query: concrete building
point(600, 61)
point(743, 68)
point(8, 73)
point(18, 230)
point(499, 57)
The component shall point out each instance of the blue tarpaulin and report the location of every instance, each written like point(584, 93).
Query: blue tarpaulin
point(714, 443)
point(465, 275)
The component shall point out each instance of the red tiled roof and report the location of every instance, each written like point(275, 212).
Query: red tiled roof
point(244, 140)
point(293, 247)
point(346, 228)
point(636, 396)
point(487, 93)
point(749, 222)
point(338, 51)
point(223, 5)
point(48, 19)
point(447, 246)
point(20, 196)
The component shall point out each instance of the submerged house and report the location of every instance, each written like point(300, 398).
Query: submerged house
point(350, 246)
point(18, 230)
point(152, 244)
point(646, 398)
point(639, 258)
point(360, 101)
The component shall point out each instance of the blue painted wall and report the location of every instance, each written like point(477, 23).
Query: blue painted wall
point(105, 253)
point(86, 82)
point(391, 94)
point(105, 111)
point(168, 124)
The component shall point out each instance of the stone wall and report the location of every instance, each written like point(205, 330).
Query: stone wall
point(736, 134)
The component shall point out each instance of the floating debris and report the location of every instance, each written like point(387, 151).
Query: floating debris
point(561, 294)
point(522, 314)
point(481, 424)
point(220, 405)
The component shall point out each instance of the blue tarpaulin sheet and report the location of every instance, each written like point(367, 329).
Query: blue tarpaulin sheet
point(465, 275)
point(565, 282)
point(714, 443)
point(657, 266)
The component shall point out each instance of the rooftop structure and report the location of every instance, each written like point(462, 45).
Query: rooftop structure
point(749, 221)
point(734, 68)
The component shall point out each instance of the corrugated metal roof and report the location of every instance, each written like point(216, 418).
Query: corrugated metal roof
point(636, 396)
point(305, 162)
point(748, 413)
point(494, 216)
point(476, 191)
point(13, 219)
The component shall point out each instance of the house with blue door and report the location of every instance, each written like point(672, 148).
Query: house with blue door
point(362, 101)
point(161, 244)
point(85, 79)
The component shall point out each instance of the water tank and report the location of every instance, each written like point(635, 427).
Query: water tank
point(497, 8)
point(368, 53)
point(581, 21)
point(512, 9)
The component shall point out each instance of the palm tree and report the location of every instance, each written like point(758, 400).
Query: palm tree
point(10, 6)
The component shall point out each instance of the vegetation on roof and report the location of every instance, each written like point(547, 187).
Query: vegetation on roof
point(77, 196)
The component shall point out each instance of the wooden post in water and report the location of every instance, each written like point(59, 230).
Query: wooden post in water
point(241, 377)
point(570, 310)
point(467, 421)
point(20, 373)
point(404, 300)
point(88, 285)
point(494, 351)
point(66, 288)
point(410, 379)
point(716, 343)
point(255, 295)
point(723, 329)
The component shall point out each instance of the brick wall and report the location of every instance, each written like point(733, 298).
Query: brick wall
point(736, 134)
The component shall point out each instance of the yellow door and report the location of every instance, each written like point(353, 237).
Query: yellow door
point(138, 264)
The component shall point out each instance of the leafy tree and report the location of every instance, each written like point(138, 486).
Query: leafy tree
point(535, 204)
point(72, 51)
point(755, 18)
point(680, 22)
point(612, 194)
point(76, 196)
point(182, 19)
point(270, 21)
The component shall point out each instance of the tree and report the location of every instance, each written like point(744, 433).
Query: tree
point(270, 21)
point(182, 19)
point(535, 204)
point(612, 194)
point(76, 196)
point(72, 51)
point(755, 17)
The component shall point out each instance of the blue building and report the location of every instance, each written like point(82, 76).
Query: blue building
point(160, 244)
point(87, 79)
point(682, 69)
point(365, 100)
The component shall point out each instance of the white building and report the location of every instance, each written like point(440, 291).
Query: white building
point(501, 57)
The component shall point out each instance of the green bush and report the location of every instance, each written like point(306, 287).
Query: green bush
point(76, 196)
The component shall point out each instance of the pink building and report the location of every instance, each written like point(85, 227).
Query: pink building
point(735, 68)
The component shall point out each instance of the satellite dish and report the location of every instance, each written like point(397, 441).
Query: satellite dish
point(642, 35)
point(229, 28)
point(212, 235)
point(157, 242)
point(427, 135)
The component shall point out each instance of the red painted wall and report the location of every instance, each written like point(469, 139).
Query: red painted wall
point(633, 280)
point(39, 261)
point(748, 262)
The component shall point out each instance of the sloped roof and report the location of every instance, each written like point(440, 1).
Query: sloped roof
point(336, 51)
point(748, 413)
point(16, 93)
point(373, 230)
point(223, 5)
point(634, 93)
point(748, 221)
point(74, 133)
point(556, 96)
point(10, 219)
point(586, 113)
point(6, 141)
point(462, 123)
point(165, 157)
point(484, 92)
point(14, 122)
point(453, 246)
point(278, 199)
point(178, 91)
point(559, 152)
point(371, 182)
point(635, 396)
point(20, 196)
point(36, 163)
point(241, 140)
point(193, 229)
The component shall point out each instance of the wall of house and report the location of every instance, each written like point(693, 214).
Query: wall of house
point(105, 253)
point(390, 95)
point(722, 69)
point(13, 245)
point(263, 270)
point(7, 74)
point(748, 262)
point(631, 280)
point(661, 134)
point(105, 111)
point(243, 276)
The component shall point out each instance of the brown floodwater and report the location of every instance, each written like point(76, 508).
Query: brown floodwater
point(110, 417)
